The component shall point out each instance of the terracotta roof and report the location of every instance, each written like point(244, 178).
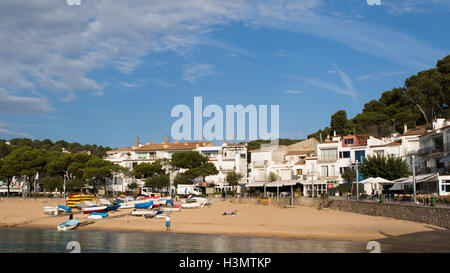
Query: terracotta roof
point(329, 141)
point(173, 146)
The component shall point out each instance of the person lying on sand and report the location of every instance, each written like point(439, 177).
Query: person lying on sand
point(228, 212)
point(234, 212)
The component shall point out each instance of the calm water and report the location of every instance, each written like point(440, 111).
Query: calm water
point(23, 240)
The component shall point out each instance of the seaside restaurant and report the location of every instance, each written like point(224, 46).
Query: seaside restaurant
point(425, 184)
point(287, 188)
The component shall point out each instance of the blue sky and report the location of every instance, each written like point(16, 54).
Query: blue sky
point(106, 72)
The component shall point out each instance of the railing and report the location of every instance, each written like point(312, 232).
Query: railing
point(439, 148)
point(429, 170)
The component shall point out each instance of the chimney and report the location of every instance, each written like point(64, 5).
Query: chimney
point(405, 128)
point(137, 141)
point(166, 139)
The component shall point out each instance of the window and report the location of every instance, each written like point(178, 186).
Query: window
point(344, 154)
point(324, 170)
point(359, 155)
point(348, 141)
point(332, 171)
point(329, 154)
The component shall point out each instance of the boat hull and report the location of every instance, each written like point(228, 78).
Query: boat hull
point(93, 209)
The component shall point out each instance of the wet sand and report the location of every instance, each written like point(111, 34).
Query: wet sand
point(252, 220)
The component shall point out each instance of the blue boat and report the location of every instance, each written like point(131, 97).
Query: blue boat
point(98, 215)
point(144, 205)
point(111, 208)
point(66, 208)
point(70, 224)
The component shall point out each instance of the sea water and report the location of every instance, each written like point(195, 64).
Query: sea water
point(27, 240)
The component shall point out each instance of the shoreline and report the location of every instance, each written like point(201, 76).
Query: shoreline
point(298, 222)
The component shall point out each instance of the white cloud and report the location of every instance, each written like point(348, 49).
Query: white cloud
point(14, 104)
point(55, 46)
point(194, 72)
point(292, 91)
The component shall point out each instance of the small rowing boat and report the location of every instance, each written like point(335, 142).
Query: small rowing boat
point(143, 212)
point(169, 209)
point(70, 224)
point(97, 215)
point(93, 209)
point(190, 205)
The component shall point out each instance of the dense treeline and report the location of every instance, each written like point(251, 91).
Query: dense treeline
point(48, 145)
point(423, 98)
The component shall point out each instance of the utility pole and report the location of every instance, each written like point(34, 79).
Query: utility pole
point(357, 180)
point(414, 177)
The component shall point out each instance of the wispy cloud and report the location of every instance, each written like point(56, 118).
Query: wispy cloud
point(292, 91)
point(15, 104)
point(194, 72)
point(128, 85)
point(378, 76)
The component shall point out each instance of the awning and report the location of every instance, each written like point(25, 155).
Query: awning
point(420, 160)
point(397, 187)
point(315, 182)
point(281, 183)
point(432, 177)
point(255, 184)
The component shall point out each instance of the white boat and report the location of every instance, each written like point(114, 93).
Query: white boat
point(126, 206)
point(93, 209)
point(70, 224)
point(90, 203)
point(82, 205)
point(143, 212)
point(169, 209)
point(52, 210)
point(191, 205)
point(105, 202)
point(160, 216)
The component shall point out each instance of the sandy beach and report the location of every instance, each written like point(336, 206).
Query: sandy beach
point(252, 220)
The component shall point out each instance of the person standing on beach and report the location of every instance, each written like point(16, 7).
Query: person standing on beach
point(167, 223)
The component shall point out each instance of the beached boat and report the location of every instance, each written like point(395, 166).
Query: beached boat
point(105, 202)
point(98, 215)
point(190, 205)
point(143, 212)
point(65, 208)
point(144, 205)
point(169, 209)
point(93, 209)
point(48, 209)
point(112, 208)
point(126, 206)
point(70, 224)
point(82, 205)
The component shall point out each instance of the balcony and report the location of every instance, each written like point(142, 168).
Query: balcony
point(438, 148)
point(428, 170)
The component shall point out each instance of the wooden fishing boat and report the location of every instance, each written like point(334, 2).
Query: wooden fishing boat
point(93, 209)
point(70, 224)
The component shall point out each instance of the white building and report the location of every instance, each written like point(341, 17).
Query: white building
point(227, 158)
